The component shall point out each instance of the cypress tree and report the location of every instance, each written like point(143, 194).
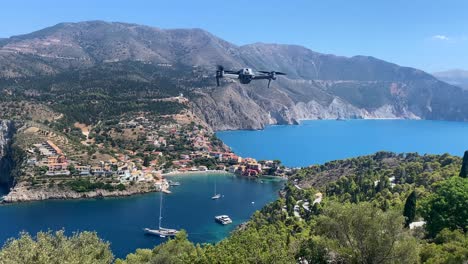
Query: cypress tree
point(464, 168)
point(146, 161)
point(410, 208)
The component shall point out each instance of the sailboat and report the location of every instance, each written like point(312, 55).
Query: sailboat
point(161, 231)
point(216, 196)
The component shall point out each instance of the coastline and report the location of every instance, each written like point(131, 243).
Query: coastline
point(22, 195)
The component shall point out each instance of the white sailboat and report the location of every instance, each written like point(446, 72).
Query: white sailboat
point(216, 195)
point(161, 231)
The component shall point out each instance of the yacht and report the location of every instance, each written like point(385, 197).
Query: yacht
point(223, 219)
point(161, 231)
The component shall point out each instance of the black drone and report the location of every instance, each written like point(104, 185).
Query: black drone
point(246, 75)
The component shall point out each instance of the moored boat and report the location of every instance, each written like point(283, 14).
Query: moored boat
point(223, 219)
point(216, 195)
point(161, 231)
point(173, 183)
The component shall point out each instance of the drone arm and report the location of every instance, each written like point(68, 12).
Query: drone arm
point(231, 75)
point(261, 77)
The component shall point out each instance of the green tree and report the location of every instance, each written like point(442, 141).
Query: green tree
point(448, 247)
point(267, 244)
point(313, 250)
point(464, 168)
point(177, 250)
point(361, 233)
point(410, 208)
point(56, 248)
point(447, 207)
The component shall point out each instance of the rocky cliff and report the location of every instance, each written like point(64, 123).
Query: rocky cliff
point(6, 163)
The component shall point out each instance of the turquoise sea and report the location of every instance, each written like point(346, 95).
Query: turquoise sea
point(320, 141)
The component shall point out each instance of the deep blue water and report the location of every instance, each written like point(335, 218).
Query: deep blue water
point(320, 141)
point(121, 220)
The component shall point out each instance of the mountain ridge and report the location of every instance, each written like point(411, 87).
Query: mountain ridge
point(318, 86)
point(455, 77)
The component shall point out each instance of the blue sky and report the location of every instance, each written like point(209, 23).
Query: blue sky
point(430, 35)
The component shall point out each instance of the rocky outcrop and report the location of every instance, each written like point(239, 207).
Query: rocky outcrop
point(23, 193)
point(6, 163)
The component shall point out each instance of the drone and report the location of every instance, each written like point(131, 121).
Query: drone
point(246, 75)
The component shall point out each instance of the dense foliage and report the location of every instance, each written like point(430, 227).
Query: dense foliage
point(363, 216)
point(85, 185)
point(56, 248)
point(362, 233)
point(447, 206)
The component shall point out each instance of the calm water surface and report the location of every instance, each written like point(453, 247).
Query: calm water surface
point(319, 141)
point(121, 220)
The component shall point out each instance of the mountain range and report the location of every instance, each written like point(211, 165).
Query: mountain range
point(454, 77)
point(317, 86)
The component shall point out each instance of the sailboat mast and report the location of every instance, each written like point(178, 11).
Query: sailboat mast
point(160, 209)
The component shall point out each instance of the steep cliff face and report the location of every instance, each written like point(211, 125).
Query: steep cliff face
point(6, 162)
point(236, 106)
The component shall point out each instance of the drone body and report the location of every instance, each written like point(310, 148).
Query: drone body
point(246, 75)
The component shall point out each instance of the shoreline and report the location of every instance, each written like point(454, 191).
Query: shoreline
point(187, 173)
point(300, 120)
point(20, 196)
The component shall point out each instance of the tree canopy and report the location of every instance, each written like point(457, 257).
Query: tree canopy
point(447, 207)
point(56, 248)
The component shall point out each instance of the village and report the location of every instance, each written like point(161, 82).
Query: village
point(149, 152)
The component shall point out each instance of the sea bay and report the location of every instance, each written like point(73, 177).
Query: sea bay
point(121, 220)
point(319, 141)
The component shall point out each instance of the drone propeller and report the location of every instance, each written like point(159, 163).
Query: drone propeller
point(272, 72)
point(219, 73)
